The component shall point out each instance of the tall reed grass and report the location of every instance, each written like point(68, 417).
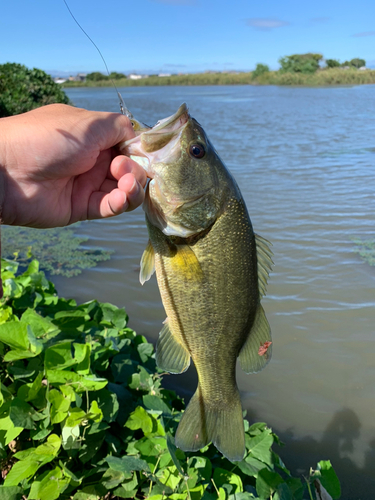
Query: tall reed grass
point(332, 76)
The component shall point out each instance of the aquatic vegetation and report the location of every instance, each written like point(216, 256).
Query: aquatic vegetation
point(59, 250)
point(366, 250)
point(84, 416)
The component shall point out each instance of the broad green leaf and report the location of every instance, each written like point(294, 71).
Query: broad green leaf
point(258, 428)
point(108, 403)
point(50, 486)
point(170, 477)
point(76, 417)
point(329, 479)
point(82, 357)
point(112, 478)
point(114, 315)
point(10, 492)
point(80, 383)
point(28, 392)
point(250, 466)
point(8, 431)
point(20, 471)
point(156, 404)
point(21, 414)
point(283, 492)
point(267, 482)
point(59, 356)
point(259, 447)
point(151, 446)
point(222, 477)
point(203, 467)
point(71, 438)
point(38, 323)
point(14, 334)
point(127, 464)
point(140, 419)
point(95, 413)
point(145, 351)
point(6, 314)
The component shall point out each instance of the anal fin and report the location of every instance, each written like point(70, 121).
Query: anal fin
point(251, 359)
point(147, 263)
point(171, 356)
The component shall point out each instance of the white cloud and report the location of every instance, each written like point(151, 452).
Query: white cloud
point(266, 23)
point(365, 33)
point(320, 20)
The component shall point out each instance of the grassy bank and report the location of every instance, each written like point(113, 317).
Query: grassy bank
point(322, 78)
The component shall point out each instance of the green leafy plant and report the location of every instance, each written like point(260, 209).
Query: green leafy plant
point(84, 416)
point(23, 89)
point(59, 250)
point(260, 70)
point(300, 63)
point(366, 249)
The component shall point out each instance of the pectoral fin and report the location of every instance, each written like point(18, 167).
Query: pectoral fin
point(264, 257)
point(171, 356)
point(186, 264)
point(147, 263)
point(257, 350)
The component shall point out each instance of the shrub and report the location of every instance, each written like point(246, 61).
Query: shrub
point(23, 89)
point(260, 70)
point(332, 63)
point(300, 63)
point(96, 76)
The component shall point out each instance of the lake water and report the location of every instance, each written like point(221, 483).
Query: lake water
point(304, 160)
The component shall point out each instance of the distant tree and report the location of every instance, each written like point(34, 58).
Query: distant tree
point(116, 76)
point(300, 63)
point(96, 76)
point(260, 70)
point(332, 63)
point(23, 89)
point(357, 63)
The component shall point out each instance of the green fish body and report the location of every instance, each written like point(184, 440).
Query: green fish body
point(211, 270)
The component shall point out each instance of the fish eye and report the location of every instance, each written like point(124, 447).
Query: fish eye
point(197, 151)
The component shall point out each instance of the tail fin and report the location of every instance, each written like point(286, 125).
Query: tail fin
point(201, 424)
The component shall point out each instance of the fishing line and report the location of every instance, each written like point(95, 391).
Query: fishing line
point(123, 108)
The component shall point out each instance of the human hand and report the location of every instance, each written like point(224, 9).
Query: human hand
point(58, 165)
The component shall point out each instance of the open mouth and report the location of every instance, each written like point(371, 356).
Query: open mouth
point(158, 143)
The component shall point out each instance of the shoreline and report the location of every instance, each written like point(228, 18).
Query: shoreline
point(323, 78)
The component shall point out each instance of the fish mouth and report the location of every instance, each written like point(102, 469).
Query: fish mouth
point(158, 144)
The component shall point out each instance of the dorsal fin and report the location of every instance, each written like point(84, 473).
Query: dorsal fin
point(264, 257)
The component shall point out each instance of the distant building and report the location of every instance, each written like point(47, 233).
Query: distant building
point(164, 74)
point(59, 80)
point(80, 77)
point(134, 76)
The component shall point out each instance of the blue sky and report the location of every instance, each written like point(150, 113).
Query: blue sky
point(182, 35)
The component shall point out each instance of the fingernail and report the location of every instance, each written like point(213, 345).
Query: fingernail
point(134, 190)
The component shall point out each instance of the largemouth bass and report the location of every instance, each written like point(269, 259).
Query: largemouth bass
point(211, 270)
